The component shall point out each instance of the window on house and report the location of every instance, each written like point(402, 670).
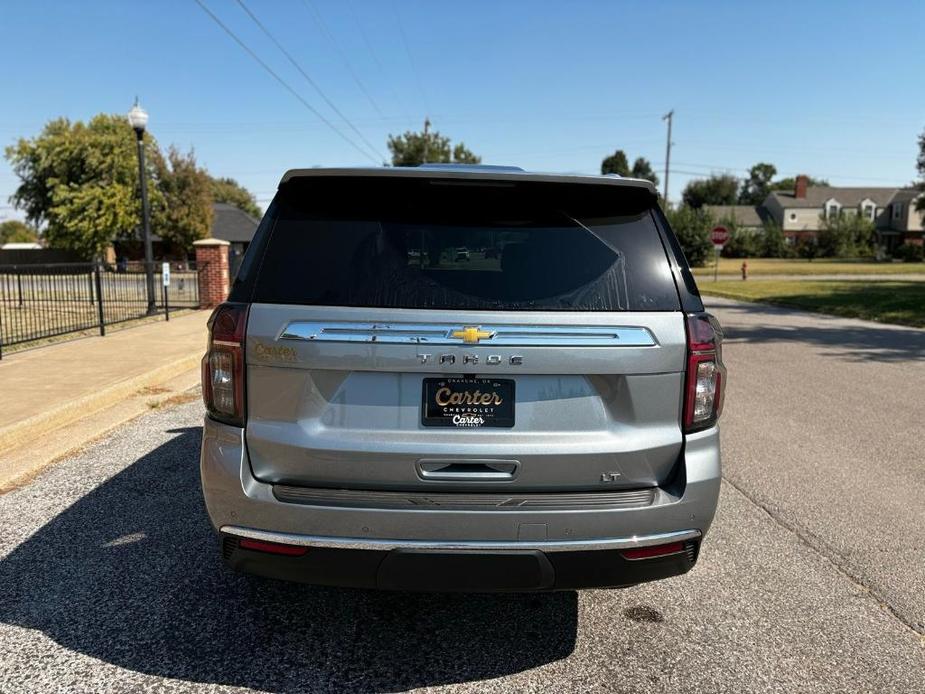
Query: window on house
point(897, 210)
point(832, 211)
point(869, 211)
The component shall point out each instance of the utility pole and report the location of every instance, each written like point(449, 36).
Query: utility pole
point(668, 116)
point(426, 131)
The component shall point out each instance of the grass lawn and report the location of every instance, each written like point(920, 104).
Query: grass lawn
point(887, 302)
point(794, 266)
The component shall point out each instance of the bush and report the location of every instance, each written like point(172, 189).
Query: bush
point(846, 236)
point(692, 227)
point(808, 248)
point(909, 253)
point(743, 243)
point(774, 243)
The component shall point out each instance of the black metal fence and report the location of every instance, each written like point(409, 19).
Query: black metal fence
point(43, 301)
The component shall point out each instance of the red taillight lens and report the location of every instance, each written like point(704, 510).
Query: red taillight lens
point(653, 551)
point(272, 547)
point(223, 364)
point(705, 380)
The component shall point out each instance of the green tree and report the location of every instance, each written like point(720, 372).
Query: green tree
point(15, 231)
point(412, 149)
point(186, 191)
point(848, 235)
point(920, 165)
point(642, 168)
point(758, 184)
point(715, 190)
point(230, 191)
point(742, 243)
point(789, 183)
point(774, 243)
point(616, 163)
point(81, 181)
point(692, 227)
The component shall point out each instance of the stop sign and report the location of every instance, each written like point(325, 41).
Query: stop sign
point(719, 235)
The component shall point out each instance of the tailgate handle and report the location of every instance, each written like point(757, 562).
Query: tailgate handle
point(468, 470)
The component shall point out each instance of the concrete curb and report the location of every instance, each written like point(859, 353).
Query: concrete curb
point(27, 430)
point(21, 464)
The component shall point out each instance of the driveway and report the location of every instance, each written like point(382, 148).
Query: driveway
point(811, 579)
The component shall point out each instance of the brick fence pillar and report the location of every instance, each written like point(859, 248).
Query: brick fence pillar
point(212, 261)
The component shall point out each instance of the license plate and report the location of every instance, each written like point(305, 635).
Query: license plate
point(467, 403)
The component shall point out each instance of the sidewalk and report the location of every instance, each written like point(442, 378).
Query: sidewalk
point(46, 393)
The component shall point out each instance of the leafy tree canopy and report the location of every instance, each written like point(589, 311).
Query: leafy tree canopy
point(789, 183)
point(920, 165)
point(758, 184)
point(616, 163)
point(230, 191)
point(715, 190)
point(847, 235)
point(692, 227)
point(186, 190)
point(428, 146)
point(642, 168)
point(81, 181)
point(15, 231)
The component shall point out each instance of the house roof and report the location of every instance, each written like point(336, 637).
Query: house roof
point(232, 224)
point(746, 215)
point(906, 195)
point(816, 196)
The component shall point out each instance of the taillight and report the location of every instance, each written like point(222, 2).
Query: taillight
point(223, 364)
point(706, 375)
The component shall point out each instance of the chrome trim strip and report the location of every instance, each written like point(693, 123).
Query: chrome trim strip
point(442, 334)
point(376, 544)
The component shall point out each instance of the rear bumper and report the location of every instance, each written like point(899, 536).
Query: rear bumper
point(435, 548)
point(467, 567)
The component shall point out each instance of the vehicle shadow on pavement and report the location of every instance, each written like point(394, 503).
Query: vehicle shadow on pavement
point(131, 575)
point(860, 344)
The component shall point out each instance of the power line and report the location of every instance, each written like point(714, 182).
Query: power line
point(343, 56)
point(283, 82)
point(404, 40)
point(372, 54)
point(308, 79)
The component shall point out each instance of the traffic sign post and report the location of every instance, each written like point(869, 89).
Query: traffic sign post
point(719, 235)
point(165, 276)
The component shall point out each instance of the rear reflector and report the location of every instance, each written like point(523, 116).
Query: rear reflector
point(272, 547)
point(653, 551)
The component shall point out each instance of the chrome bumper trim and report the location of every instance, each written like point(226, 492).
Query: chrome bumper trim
point(545, 546)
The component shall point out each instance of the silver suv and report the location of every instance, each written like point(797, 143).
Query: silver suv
point(381, 416)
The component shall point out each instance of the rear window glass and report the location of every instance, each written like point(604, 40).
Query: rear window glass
point(400, 243)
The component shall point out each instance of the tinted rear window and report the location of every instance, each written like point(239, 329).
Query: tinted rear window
point(421, 243)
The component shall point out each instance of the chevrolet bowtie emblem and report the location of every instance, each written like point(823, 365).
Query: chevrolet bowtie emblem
point(472, 334)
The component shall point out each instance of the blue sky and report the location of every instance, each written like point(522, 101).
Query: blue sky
point(831, 89)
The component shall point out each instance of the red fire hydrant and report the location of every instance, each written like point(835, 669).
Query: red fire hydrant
point(745, 270)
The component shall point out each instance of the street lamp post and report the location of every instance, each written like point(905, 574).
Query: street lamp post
point(138, 119)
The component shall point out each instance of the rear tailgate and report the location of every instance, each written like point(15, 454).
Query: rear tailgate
point(565, 304)
point(348, 414)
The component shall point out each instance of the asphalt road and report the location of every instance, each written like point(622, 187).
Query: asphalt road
point(811, 580)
